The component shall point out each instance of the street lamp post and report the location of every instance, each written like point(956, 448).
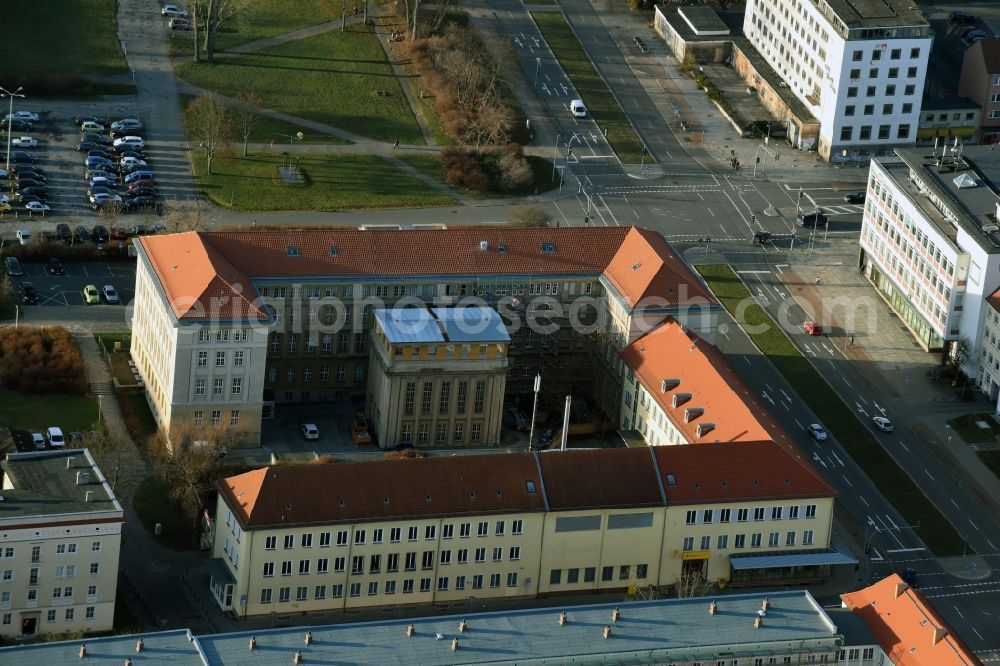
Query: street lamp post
point(100, 410)
point(10, 121)
point(555, 158)
point(534, 410)
point(756, 160)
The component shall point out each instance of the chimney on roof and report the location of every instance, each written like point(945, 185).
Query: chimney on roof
point(669, 384)
point(88, 496)
point(69, 462)
point(713, 608)
point(607, 632)
point(679, 399)
point(899, 589)
point(562, 618)
point(764, 605)
point(454, 644)
point(704, 428)
point(462, 626)
point(691, 413)
point(297, 659)
point(616, 614)
point(484, 245)
point(939, 634)
point(139, 646)
point(82, 478)
point(410, 630)
point(758, 622)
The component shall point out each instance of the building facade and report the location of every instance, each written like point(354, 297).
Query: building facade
point(437, 376)
point(859, 72)
point(980, 82)
point(930, 243)
point(60, 537)
point(944, 120)
point(323, 537)
point(301, 305)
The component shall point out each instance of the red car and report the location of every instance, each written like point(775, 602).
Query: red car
point(812, 328)
point(144, 182)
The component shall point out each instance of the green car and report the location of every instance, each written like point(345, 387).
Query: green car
point(90, 294)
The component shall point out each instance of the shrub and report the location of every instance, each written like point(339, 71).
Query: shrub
point(530, 215)
point(41, 360)
point(515, 173)
point(462, 169)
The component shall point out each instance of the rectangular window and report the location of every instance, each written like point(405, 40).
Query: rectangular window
point(444, 398)
point(514, 553)
point(324, 539)
point(463, 555)
point(425, 584)
point(392, 562)
point(360, 536)
point(372, 588)
point(589, 574)
point(790, 538)
point(284, 595)
point(337, 591)
point(740, 541)
point(220, 359)
point(447, 531)
point(238, 359)
point(301, 593)
point(688, 543)
point(480, 398)
point(442, 583)
point(355, 589)
point(723, 541)
point(755, 540)
point(459, 582)
point(408, 586)
point(319, 592)
point(607, 573)
point(289, 541)
point(480, 555)
point(463, 389)
point(463, 530)
point(691, 517)
point(394, 534)
point(516, 527)
point(268, 569)
point(322, 565)
point(555, 577)
point(772, 539)
point(807, 538)
point(270, 543)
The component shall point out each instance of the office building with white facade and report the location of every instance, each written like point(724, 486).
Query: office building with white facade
point(859, 68)
point(930, 243)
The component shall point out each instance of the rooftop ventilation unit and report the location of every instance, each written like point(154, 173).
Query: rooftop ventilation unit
point(691, 413)
point(484, 246)
point(679, 399)
point(669, 383)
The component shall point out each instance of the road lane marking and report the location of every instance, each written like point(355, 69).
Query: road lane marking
point(904, 446)
point(862, 498)
point(973, 524)
point(932, 478)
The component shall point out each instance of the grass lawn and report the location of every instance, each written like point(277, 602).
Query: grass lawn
point(60, 37)
point(152, 503)
point(430, 165)
point(37, 412)
point(135, 411)
point(966, 428)
point(335, 181)
point(338, 78)
point(991, 459)
point(601, 104)
point(268, 129)
point(108, 340)
point(840, 420)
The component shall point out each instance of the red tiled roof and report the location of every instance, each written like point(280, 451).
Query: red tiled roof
point(736, 472)
point(645, 268)
point(185, 263)
point(198, 280)
point(670, 353)
point(906, 627)
point(994, 300)
point(597, 478)
point(384, 490)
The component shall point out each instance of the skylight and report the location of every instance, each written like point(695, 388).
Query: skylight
point(292, 251)
point(671, 480)
point(531, 487)
point(548, 248)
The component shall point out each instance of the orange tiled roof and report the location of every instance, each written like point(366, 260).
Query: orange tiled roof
point(185, 263)
point(737, 472)
point(906, 627)
point(384, 490)
point(698, 377)
point(994, 300)
point(199, 281)
point(646, 268)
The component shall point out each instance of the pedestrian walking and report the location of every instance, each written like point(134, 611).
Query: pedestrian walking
point(396, 144)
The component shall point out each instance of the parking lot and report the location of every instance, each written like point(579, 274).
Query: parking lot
point(66, 290)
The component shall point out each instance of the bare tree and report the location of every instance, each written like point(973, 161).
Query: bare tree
point(109, 449)
point(215, 14)
point(196, 217)
point(529, 215)
point(210, 124)
point(691, 584)
point(245, 118)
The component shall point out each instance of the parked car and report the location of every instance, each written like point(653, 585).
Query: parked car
point(173, 11)
point(63, 232)
point(54, 266)
point(100, 152)
point(96, 138)
point(25, 167)
point(37, 207)
point(139, 203)
point(310, 431)
point(91, 295)
point(961, 18)
point(29, 198)
point(812, 328)
point(30, 190)
point(855, 198)
point(110, 294)
point(882, 423)
point(817, 432)
point(13, 267)
point(101, 181)
point(101, 234)
point(55, 437)
point(92, 126)
point(102, 162)
point(137, 230)
point(22, 156)
point(25, 182)
point(19, 125)
point(27, 116)
point(100, 120)
point(91, 174)
point(130, 141)
point(180, 24)
point(141, 174)
point(38, 440)
point(131, 162)
point(35, 174)
point(101, 199)
point(126, 124)
point(811, 219)
point(82, 235)
point(140, 192)
point(28, 293)
point(109, 205)
point(761, 238)
point(131, 152)
point(144, 183)
point(24, 142)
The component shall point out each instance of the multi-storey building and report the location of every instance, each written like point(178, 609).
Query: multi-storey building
point(859, 68)
point(60, 535)
point(229, 324)
point(437, 375)
point(297, 538)
point(989, 356)
point(947, 119)
point(930, 243)
point(980, 82)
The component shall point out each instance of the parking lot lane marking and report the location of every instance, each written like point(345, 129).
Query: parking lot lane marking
point(84, 267)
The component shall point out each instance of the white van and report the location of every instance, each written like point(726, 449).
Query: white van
point(55, 437)
point(578, 109)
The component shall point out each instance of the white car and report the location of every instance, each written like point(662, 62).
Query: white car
point(23, 236)
point(103, 197)
point(26, 116)
point(132, 141)
point(37, 207)
point(132, 161)
point(38, 440)
point(173, 11)
point(882, 423)
point(817, 432)
point(310, 431)
point(24, 142)
point(110, 295)
point(55, 437)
